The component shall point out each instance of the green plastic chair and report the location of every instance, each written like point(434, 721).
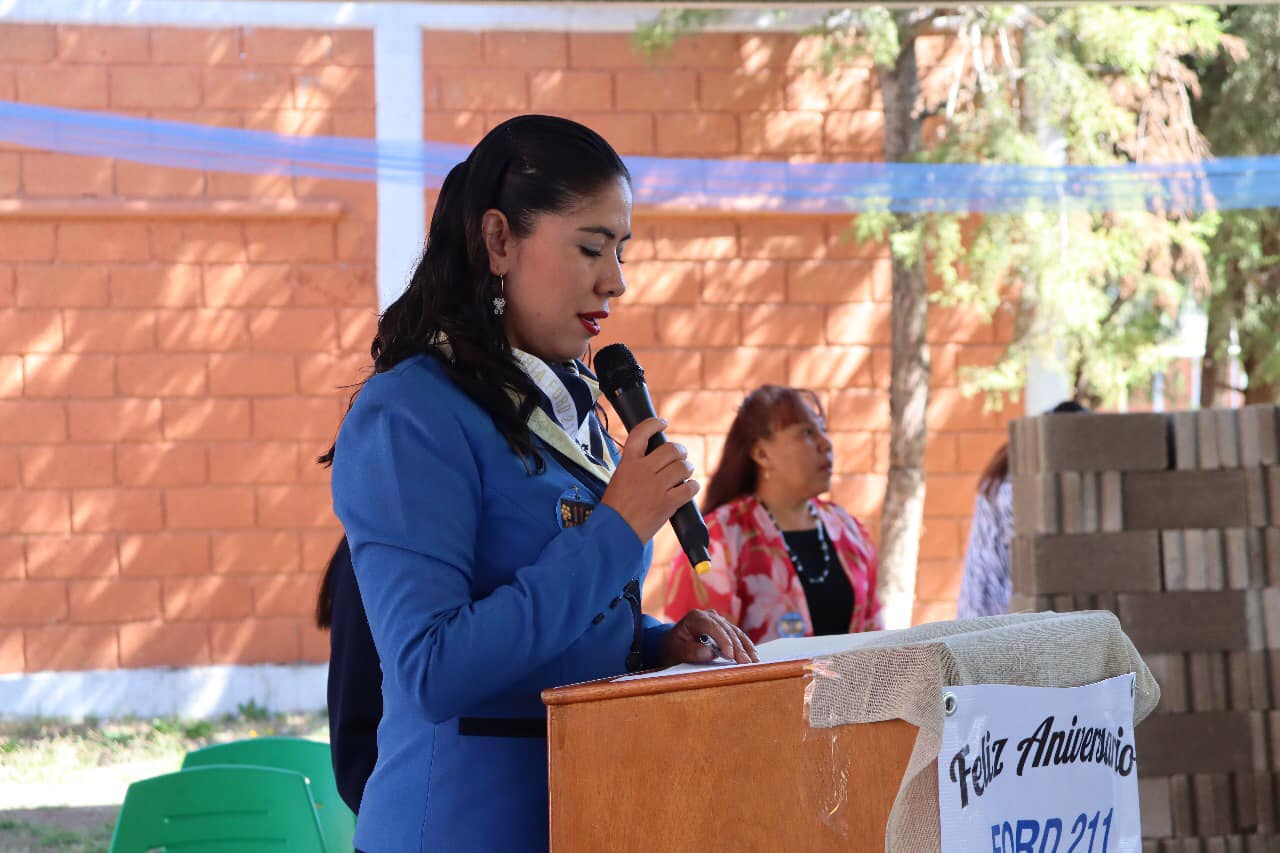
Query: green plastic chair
point(308, 757)
point(219, 810)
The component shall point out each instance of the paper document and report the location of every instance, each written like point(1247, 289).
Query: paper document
point(775, 651)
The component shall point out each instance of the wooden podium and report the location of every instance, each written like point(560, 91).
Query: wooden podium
point(716, 760)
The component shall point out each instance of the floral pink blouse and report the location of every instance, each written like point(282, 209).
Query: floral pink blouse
point(752, 581)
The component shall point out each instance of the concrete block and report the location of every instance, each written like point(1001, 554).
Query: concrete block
point(1185, 621)
point(1259, 440)
point(1185, 441)
point(1185, 499)
point(1103, 442)
point(1090, 563)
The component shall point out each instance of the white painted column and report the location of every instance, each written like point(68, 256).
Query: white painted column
point(402, 220)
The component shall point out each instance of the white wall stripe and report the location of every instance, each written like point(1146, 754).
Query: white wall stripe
point(397, 49)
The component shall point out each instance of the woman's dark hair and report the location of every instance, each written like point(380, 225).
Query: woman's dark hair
point(765, 410)
point(997, 468)
point(527, 166)
point(324, 601)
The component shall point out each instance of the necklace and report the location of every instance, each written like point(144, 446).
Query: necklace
point(822, 540)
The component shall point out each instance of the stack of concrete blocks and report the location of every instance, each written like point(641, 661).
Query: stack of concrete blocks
point(1173, 523)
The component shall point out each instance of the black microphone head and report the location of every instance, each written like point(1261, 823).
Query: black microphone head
point(617, 368)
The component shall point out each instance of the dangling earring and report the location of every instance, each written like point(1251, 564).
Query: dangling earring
point(500, 301)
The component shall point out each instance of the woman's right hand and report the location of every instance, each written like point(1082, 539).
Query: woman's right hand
point(647, 489)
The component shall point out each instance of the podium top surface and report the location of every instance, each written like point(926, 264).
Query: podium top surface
point(618, 687)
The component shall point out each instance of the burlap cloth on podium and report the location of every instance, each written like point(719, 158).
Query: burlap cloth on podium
point(902, 675)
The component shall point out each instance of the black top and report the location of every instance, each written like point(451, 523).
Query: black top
point(831, 601)
point(355, 684)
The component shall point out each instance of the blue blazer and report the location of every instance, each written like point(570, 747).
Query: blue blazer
point(479, 597)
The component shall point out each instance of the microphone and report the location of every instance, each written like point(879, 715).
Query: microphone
point(622, 382)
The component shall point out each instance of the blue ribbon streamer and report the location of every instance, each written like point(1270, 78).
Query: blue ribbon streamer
point(1228, 183)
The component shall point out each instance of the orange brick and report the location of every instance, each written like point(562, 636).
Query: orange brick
point(696, 239)
point(161, 464)
point(697, 134)
point(27, 421)
point(942, 365)
point(44, 286)
point(782, 325)
point(246, 285)
point(11, 651)
point(605, 50)
point(784, 133)
point(859, 323)
point(829, 367)
point(81, 556)
point(50, 375)
point(558, 90)
point(32, 511)
point(292, 418)
point(259, 552)
point(740, 91)
point(71, 647)
point(145, 180)
point(656, 89)
point(669, 369)
point(99, 45)
point(699, 325)
point(776, 239)
point(157, 643)
point(634, 325)
point(9, 92)
point(10, 168)
point(959, 324)
point(206, 420)
point(333, 87)
point(195, 46)
point(13, 564)
point(975, 449)
point(940, 454)
point(765, 50)
point(289, 241)
point(66, 175)
point(951, 410)
point(285, 595)
point(103, 241)
point(208, 507)
point(28, 43)
point(54, 466)
point(493, 88)
point(452, 48)
point(192, 242)
point(159, 286)
point(353, 284)
point(25, 331)
point(357, 241)
point(743, 281)
point(315, 643)
point(662, 283)
point(829, 281)
point(296, 122)
point(973, 355)
point(159, 554)
point(925, 612)
point(318, 547)
point(854, 452)
point(858, 410)
point(294, 329)
point(162, 375)
point(351, 47)
point(699, 411)
point(463, 128)
point(251, 374)
point(211, 330)
point(254, 462)
point(108, 330)
point(114, 600)
point(940, 540)
point(526, 49)
point(862, 495)
point(247, 88)
point(114, 420)
point(103, 510)
point(839, 89)
point(629, 133)
point(33, 602)
point(743, 368)
point(277, 46)
point(860, 132)
point(330, 373)
point(83, 87)
point(842, 243)
point(256, 641)
point(143, 88)
point(949, 495)
point(237, 186)
point(27, 241)
point(294, 506)
point(207, 598)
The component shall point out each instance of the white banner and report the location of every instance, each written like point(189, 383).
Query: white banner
point(1039, 769)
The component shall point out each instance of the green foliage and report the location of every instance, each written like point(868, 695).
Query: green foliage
point(660, 34)
point(252, 711)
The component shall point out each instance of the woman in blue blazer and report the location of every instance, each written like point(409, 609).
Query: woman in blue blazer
point(499, 537)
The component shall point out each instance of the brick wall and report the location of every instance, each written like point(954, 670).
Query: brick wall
point(171, 340)
point(170, 346)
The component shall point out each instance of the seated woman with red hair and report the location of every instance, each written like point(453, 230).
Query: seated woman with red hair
point(784, 563)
